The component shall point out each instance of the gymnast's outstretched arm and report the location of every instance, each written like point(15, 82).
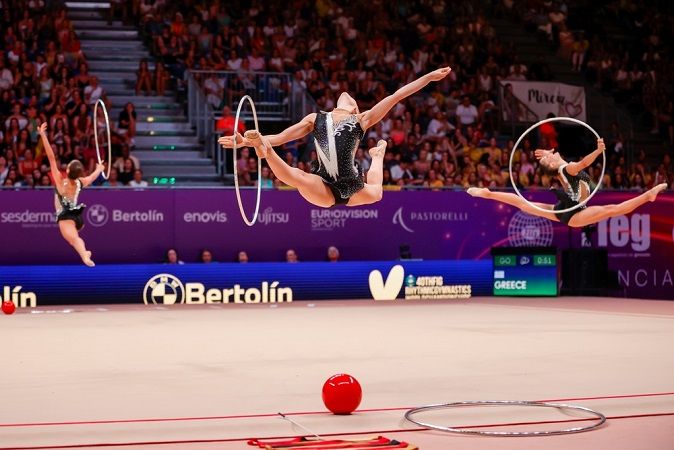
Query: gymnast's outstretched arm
point(297, 131)
point(381, 109)
point(86, 181)
point(53, 166)
point(575, 167)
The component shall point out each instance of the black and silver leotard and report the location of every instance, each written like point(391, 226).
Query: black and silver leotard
point(336, 146)
point(68, 208)
point(572, 192)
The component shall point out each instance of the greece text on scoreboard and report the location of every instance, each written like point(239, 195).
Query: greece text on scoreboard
point(525, 271)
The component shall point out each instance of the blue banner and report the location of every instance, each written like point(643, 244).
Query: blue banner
point(165, 284)
point(137, 227)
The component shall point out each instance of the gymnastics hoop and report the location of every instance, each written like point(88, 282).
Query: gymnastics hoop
point(251, 222)
point(517, 144)
point(600, 417)
point(105, 174)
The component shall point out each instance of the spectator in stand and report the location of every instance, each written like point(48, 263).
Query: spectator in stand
point(397, 133)
point(242, 167)
point(127, 172)
point(511, 109)
point(12, 179)
point(4, 170)
point(205, 256)
point(59, 135)
point(161, 78)
point(171, 257)
point(126, 123)
point(143, 78)
point(291, 256)
point(137, 181)
point(124, 155)
point(17, 115)
point(93, 92)
point(466, 112)
point(579, 49)
point(214, 88)
point(46, 84)
point(439, 127)
point(28, 164)
point(256, 61)
point(225, 124)
point(45, 181)
point(527, 169)
point(6, 77)
point(548, 133)
point(83, 78)
point(81, 123)
point(267, 181)
point(242, 257)
point(252, 170)
point(433, 180)
point(333, 254)
point(113, 179)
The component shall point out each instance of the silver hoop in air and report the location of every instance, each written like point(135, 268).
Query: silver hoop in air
point(105, 174)
point(517, 144)
point(599, 417)
point(251, 222)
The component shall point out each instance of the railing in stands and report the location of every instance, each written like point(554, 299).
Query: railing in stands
point(302, 103)
point(277, 97)
point(514, 112)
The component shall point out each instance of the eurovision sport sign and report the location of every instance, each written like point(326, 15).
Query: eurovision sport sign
point(137, 227)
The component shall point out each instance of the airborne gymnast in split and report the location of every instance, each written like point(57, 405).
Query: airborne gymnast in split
point(69, 211)
point(335, 179)
point(576, 187)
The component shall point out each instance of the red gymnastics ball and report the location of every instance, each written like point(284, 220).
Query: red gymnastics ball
point(8, 307)
point(342, 394)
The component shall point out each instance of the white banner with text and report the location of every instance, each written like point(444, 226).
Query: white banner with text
point(556, 98)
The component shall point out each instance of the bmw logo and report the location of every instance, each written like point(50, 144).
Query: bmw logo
point(164, 289)
point(97, 215)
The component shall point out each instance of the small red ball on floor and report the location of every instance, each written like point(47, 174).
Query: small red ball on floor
point(8, 307)
point(342, 394)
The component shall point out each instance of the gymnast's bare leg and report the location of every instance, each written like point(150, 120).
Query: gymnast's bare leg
point(594, 214)
point(310, 186)
point(373, 191)
point(516, 201)
point(582, 218)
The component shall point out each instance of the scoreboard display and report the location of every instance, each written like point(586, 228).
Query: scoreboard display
point(525, 271)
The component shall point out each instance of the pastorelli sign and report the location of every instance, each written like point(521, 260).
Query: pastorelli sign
point(253, 283)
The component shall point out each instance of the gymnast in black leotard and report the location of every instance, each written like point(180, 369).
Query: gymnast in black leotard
point(576, 187)
point(336, 145)
point(335, 178)
point(68, 209)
